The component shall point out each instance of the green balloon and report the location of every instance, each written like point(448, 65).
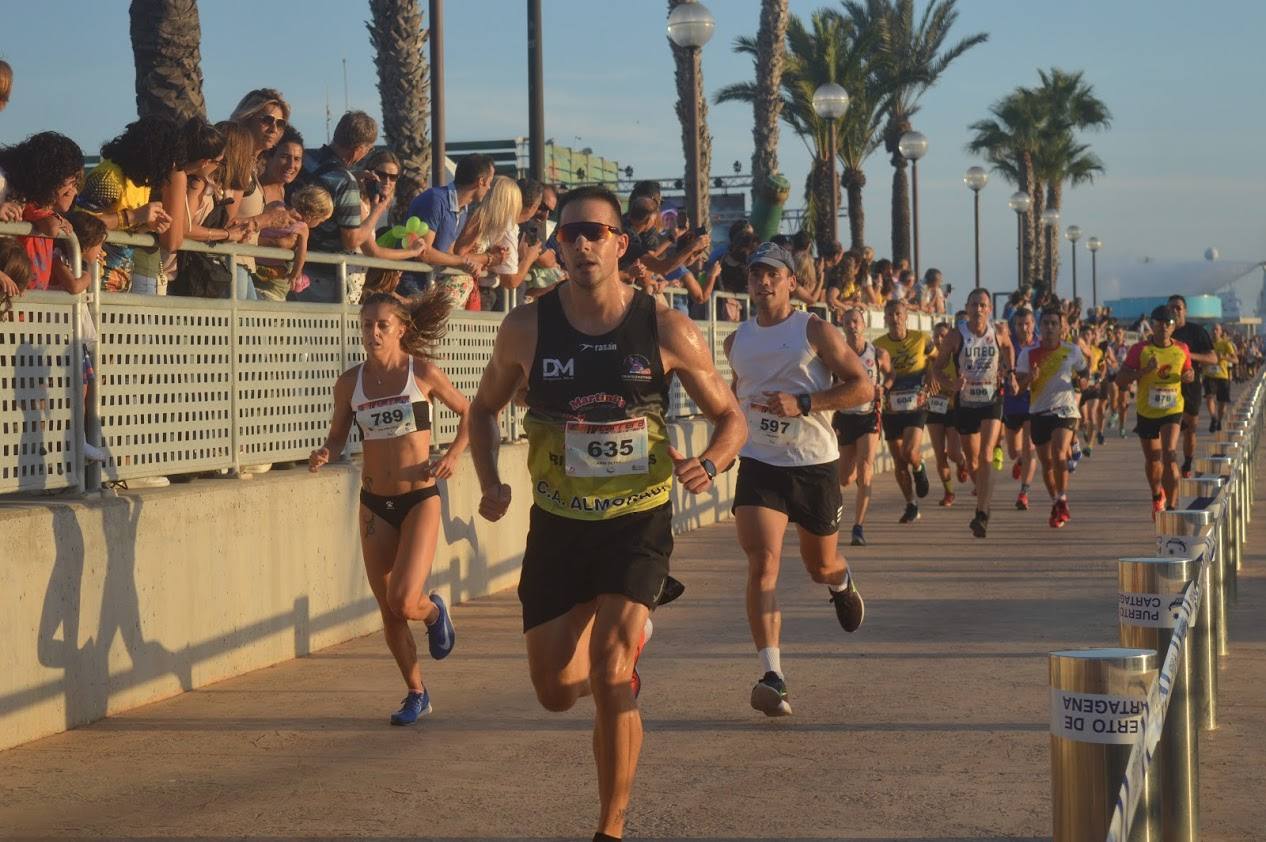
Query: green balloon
point(413, 225)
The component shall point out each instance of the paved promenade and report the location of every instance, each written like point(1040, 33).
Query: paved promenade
point(928, 723)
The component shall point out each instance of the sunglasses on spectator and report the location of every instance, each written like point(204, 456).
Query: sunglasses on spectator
point(268, 121)
point(592, 231)
point(544, 210)
point(387, 176)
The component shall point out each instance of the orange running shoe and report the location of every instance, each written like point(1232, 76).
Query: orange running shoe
point(962, 474)
point(1015, 470)
point(1158, 504)
point(948, 499)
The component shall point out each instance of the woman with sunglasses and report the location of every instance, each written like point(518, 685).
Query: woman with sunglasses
point(1161, 365)
point(390, 398)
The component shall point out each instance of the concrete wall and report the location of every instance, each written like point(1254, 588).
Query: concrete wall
point(113, 603)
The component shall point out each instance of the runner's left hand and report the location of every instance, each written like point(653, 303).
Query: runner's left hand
point(689, 472)
point(782, 404)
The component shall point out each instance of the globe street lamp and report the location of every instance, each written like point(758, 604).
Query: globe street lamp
point(976, 178)
point(1094, 244)
point(1050, 218)
point(690, 26)
point(830, 101)
point(1073, 233)
point(913, 146)
point(1020, 202)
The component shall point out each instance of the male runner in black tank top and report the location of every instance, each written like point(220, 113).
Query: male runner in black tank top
point(596, 356)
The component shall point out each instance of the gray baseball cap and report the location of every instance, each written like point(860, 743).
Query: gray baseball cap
point(772, 254)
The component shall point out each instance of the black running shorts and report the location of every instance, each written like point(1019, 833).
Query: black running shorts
point(1043, 426)
point(851, 426)
point(1220, 387)
point(968, 418)
point(896, 423)
point(1191, 398)
point(1015, 421)
point(1150, 428)
point(568, 562)
point(809, 496)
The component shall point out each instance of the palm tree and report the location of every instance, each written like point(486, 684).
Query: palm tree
point(399, 42)
point(166, 49)
point(684, 58)
point(827, 50)
point(915, 56)
point(1068, 104)
point(768, 186)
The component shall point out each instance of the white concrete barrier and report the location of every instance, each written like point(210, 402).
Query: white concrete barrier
point(121, 601)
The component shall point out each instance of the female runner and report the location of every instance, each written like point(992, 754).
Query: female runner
point(389, 398)
point(946, 445)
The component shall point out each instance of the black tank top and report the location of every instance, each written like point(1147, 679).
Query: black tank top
point(597, 436)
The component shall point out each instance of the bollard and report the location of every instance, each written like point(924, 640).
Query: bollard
point(1222, 466)
point(1097, 703)
point(1184, 533)
point(1151, 591)
point(1188, 532)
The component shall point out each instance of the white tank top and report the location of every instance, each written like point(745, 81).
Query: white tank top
point(779, 358)
point(978, 363)
point(867, 356)
point(392, 416)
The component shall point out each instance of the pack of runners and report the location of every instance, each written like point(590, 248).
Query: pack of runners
point(593, 359)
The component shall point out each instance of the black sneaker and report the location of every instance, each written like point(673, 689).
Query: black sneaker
point(769, 696)
point(921, 481)
point(670, 591)
point(859, 540)
point(979, 524)
point(849, 607)
point(1213, 425)
point(911, 515)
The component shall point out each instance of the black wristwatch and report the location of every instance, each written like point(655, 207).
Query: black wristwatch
point(805, 402)
point(708, 468)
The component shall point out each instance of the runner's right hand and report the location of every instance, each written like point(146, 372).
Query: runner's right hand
point(318, 458)
point(495, 503)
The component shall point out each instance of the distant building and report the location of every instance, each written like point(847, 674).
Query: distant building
point(1199, 307)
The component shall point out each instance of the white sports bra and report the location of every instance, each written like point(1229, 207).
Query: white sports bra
point(392, 416)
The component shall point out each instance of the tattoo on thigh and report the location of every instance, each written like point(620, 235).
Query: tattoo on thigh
point(369, 524)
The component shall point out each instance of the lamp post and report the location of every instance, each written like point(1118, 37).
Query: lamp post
point(1050, 218)
point(690, 26)
point(976, 178)
point(913, 146)
point(830, 102)
point(436, 37)
point(1094, 244)
point(1020, 202)
point(1073, 233)
point(536, 94)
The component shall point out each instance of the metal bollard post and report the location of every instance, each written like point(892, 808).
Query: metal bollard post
point(1097, 699)
point(1189, 532)
point(1185, 533)
point(1151, 591)
point(1223, 466)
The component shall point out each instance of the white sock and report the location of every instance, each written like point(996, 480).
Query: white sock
point(771, 660)
point(842, 586)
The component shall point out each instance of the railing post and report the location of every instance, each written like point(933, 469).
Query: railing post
point(234, 397)
point(1098, 699)
point(96, 436)
point(1149, 590)
point(1183, 532)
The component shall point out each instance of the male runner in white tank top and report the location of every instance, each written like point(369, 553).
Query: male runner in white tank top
point(986, 364)
point(783, 363)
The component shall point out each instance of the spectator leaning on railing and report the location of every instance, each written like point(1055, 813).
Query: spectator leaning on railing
point(282, 165)
point(347, 230)
point(45, 172)
point(15, 271)
point(444, 210)
point(118, 191)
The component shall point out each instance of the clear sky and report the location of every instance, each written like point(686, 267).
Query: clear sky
point(1184, 81)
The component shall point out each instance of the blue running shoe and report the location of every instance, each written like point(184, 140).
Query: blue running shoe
point(414, 707)
point(440, 635)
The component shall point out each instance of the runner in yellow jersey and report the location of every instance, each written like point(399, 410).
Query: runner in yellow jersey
point(1162, 367)
point(1092, 396)
point(946, 445)
point(1217, 378)
point(905, 406)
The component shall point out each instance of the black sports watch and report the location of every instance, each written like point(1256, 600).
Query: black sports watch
point(805, 402)
point(708, 468)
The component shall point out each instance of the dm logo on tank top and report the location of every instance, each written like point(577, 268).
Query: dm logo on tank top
point(554, 369)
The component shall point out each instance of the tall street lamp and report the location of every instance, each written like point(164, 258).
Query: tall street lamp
point(1020, 202)
point(913, 146)
point(976, 178)
point(690, 26)
point(1094, 244)
point(830, 102)
point(1073, 233)
point(1050, 218)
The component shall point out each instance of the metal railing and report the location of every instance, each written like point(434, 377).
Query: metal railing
point(1125, 722)
point(190, 385)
